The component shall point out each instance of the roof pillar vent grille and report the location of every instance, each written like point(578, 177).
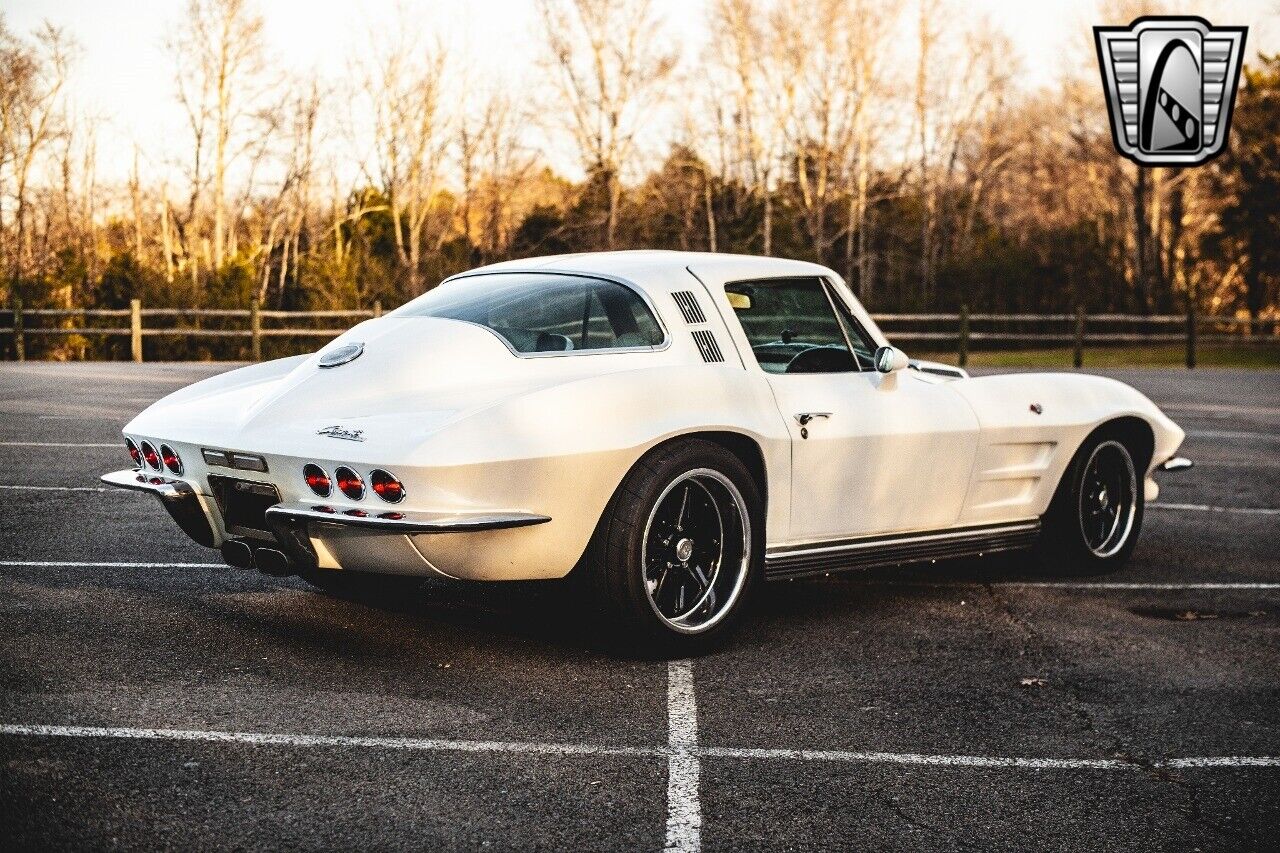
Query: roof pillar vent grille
point(707, 345)
point(689, 307)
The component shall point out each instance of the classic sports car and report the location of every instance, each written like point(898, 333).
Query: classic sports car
point(673, 428)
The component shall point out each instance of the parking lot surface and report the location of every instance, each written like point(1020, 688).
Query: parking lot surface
point(152, 697)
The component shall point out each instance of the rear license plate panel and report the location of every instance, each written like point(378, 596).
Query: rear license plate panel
point(244, 504)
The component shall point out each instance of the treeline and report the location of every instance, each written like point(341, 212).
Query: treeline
point(888, 140)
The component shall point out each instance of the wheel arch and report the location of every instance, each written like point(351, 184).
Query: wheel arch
point(1134, 433)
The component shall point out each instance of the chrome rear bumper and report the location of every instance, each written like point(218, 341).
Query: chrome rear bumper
point(293, 524)
point(396, 521)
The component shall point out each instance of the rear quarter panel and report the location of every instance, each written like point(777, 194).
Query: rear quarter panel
point(562, 451)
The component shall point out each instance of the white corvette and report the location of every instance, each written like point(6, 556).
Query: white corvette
point(673, 428)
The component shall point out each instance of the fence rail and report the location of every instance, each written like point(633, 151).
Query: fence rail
point(1077, 330)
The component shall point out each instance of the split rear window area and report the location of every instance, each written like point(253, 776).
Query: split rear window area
point(545, 313)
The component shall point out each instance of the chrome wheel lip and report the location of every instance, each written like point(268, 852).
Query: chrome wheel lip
point(742, 566)
point(1117, 535)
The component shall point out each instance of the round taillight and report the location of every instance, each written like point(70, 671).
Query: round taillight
point(171, 459)
point(386, 486)
point(150, 455)
point(391, 516)
point(134, 453)
point(317, 480)
point(349, 482)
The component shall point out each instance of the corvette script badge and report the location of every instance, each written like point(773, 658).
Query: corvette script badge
point(336, 431)
point(1170, 85)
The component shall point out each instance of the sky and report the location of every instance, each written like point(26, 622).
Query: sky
point(125, 76)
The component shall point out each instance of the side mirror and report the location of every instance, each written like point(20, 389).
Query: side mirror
point(891, 360)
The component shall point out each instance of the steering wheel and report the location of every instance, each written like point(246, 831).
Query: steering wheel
point(822, 359)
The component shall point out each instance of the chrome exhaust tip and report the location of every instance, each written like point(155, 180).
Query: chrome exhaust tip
point(272, 562)
point(237, 554)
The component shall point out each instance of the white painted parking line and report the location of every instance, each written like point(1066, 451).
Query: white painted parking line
point(988, 761)
point(686, 832)
point(854, 580)
point(1215, 408)
point(1226, 433)
point(270, 739)
point(1243, 510)
point(59, 564)
point(684, 809)
point(59, 489)
point(57, 444)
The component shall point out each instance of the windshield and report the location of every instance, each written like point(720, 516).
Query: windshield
point(544, 312)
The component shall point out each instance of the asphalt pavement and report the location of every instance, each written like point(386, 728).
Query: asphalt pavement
point(151, 697)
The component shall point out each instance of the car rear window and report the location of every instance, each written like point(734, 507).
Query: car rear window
point(544, 312)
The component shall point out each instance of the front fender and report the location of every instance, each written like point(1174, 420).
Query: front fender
point(1032, 424)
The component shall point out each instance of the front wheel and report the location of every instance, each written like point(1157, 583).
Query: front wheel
point(1093, 522)
point(679, 550)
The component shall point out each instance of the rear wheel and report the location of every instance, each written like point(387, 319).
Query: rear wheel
point(1093, 523)
point(678, 552)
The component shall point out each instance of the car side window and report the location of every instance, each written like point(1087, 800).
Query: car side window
point(545, 313)
point(792, 326)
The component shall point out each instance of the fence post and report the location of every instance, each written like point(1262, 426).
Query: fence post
point(377, 308)
point(255, 329)
point(19, 340)
point(1078, 357)
point(1191, 334)
point(135, 328)
point(963, 355)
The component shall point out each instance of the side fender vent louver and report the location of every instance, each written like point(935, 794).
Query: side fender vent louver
point(689, 307)
point(707, 345)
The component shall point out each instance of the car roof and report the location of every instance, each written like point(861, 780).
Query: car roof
point(645, 266)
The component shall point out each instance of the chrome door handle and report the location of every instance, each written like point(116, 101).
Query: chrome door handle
point(803, 418)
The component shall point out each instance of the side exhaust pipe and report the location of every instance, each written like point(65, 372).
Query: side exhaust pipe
point(237, 554)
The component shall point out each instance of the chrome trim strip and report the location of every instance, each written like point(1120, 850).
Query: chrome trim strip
point(138, 481)
point(862, 543)
point(1176, 463)
point(412, 522)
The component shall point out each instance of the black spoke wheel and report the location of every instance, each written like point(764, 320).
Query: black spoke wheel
point(678, 550)
point(696, 550)
point(1107, 499)
point(1093, 522)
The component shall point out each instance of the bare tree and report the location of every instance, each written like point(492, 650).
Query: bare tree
point(402, 90)
point(220, 59)
point(33, 75)
point(611, 67)
point(741, 55)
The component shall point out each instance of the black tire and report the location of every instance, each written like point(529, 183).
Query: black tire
point(631, 597)
point(1093, 522)
point(363, 586)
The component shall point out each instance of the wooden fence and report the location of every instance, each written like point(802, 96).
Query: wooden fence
point(959, 332)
